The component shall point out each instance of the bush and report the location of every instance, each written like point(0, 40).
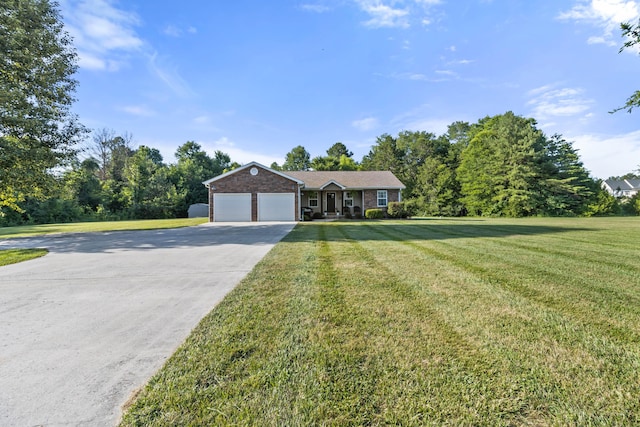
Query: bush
point(348, 215)
point(374, 214)
point(306, 217)
point(397, 210)
point(317, 215)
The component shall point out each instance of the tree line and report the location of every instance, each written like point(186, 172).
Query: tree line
point(116, 181)
point(500, 166)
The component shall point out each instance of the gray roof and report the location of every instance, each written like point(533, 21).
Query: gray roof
point(355, 180)
point(622, 185)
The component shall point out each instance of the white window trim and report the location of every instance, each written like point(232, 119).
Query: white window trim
point(348, 197)
point(386, 198)
point(311, 193)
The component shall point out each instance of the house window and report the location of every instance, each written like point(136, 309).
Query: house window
point(382, 198)
point(348, 199)
point(313, 199)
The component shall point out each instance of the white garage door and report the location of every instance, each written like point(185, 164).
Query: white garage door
point(276, 207)
point(231, 207)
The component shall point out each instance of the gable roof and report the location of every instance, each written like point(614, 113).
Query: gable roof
point(248, 165)
point(357, 180)
point(623, 185)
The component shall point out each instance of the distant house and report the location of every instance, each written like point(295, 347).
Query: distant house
point(622, 188)
point(255, 192)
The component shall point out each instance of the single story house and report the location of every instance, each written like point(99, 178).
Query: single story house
point(254, 192)
point(622, 188)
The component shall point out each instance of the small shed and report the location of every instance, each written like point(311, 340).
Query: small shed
point(198, 210)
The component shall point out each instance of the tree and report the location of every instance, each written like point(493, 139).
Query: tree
point(195, 166)
point(338, 150)
point(297, 160)
point(37, 129)
point(632, 33)
point(83, 185)
point(499, 168)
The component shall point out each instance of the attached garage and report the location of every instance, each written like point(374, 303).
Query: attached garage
point(276, 206)
point(254, 192)
point(232, 207)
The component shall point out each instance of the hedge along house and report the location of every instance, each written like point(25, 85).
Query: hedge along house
point(255, 192)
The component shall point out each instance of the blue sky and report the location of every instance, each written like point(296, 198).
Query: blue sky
point(257, 78)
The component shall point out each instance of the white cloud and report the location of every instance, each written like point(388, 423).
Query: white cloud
point(102, 33)
point(169, 76)
point(174, 31)
point(548, 102)
point(607, 15)
point(366, 124)
point(317, 8)
point(138, 110)
point(387, 13)
point(383, 15)
point(608, 155)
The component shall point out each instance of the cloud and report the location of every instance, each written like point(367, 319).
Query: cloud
point(385, 13)
point(607, 15)
point(548, 102)
point(382, 15)
point(366, 124)
point(102, 33)
point(608, 155)
point(316, 8)
point(174, 31)
point(138, 110)
point(169, 76)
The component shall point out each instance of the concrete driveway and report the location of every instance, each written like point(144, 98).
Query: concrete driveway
point(86, 325)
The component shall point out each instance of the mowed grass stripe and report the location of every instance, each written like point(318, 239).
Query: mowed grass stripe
point(248, 361)
point(360, 323)
point(548, 328)
point(446, 368)
point(568, 275)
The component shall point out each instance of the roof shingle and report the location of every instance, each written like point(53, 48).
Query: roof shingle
point(355, 180)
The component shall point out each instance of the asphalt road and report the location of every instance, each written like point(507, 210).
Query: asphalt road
point(85, 326)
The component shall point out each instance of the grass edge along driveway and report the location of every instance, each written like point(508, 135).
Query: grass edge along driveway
point(461, 322)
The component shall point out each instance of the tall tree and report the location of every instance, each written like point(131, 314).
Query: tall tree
point(298, 159)
point(498, 170)
point(37, 129)
point(338, 150)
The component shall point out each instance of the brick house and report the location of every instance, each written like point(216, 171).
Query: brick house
point(255, 192)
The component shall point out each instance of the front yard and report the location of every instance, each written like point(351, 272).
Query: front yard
point(423, 322)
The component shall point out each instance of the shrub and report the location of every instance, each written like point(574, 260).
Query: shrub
point(348, 215)
point(374, 214)
point(306, 217)
point(317, 215)
point(397, 210)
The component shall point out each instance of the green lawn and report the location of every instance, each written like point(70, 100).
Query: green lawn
point(13, 256)
point(423, 322)
point(87, 227)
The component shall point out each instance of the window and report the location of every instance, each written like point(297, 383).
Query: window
point(348, 199)
point(382, 198)
point(313, 199)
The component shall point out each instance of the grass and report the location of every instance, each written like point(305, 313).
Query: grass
point(14, 256)
point(87, 227)
point(433, 322)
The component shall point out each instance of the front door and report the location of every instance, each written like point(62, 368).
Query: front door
point(331, 202)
